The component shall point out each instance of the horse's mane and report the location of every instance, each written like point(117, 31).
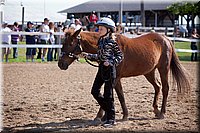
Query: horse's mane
point(94, 36)
point(69, 32)
point(91, 37)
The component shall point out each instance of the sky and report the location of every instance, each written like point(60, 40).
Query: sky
point(37, 10)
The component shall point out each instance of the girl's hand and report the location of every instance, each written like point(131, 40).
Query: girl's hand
point(106, 63)
point(84, 55)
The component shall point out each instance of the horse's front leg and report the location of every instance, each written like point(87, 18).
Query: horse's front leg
point(120, 94)
point(99, 115)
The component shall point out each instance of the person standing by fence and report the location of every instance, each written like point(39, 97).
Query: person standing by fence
point(93, 17)
point(193, 45)
point(15, 39)
point(44, 39)
point(5, 40)
point(51, 41)
point(30, 39)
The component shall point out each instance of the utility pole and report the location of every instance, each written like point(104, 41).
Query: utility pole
point(1, 11)
point(156, 18)
point(120, 11)
point(142, 13)
point(22, 16)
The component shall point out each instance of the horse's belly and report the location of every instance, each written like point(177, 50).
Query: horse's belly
point(138, 67)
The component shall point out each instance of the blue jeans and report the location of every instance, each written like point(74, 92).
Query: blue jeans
point(15, 51)
point(50, 54)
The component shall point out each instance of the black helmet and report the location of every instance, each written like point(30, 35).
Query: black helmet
point(29, 22)
point(107, 22)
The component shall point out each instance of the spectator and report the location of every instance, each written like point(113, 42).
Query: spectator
point(119, 29)
point(72, 19)
point(15, 39)
point(51, 41)
point(56, 29)
point(193, 45)
point(91, 27)
point(109, 16)
point(6, 40)
point(65, 29)
point(183, 31)
point(44, 39)
point(72, 27)
point(77, 24)
point(93, 17)
point(30, 39)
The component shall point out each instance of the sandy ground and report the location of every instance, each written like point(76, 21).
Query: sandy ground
point(39, 97)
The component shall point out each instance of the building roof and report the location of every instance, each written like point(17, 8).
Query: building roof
point(114, 6)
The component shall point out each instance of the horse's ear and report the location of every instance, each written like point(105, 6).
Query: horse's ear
point(76, 33)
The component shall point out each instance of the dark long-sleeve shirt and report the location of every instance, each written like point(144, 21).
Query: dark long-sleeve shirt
point(15, 38)
point(30, 39)
point(108, 50)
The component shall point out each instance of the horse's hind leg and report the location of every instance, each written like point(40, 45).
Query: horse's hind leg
point(120, 94)
point(156, 84)
point(165, 88)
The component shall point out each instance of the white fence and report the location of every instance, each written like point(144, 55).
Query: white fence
point(60, 34)
point(169, 31)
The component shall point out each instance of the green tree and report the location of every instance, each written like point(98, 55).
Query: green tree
point(187, 10)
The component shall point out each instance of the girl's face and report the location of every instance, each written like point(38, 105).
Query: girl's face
point(102, 30)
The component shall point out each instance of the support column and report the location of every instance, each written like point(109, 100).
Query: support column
point(142, 13)
point(120, 11)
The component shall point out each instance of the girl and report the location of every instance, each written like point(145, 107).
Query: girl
point(109, 55)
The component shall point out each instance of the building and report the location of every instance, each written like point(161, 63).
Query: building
point(155, 13)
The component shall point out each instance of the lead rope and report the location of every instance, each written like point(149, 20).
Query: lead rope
point(90, 63)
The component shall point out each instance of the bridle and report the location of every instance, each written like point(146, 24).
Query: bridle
point(71, 54)
point(76, 57)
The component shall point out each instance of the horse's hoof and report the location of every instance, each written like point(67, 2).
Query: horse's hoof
point(160, 116)
point(96, 121)
point(125, 119)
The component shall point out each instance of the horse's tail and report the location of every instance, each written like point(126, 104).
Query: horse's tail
point(179, 74)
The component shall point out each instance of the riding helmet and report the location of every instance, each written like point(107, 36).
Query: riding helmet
point(107, 22)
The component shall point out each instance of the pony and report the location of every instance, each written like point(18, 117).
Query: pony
point(142, 56)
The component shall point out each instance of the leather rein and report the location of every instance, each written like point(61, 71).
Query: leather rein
point(74, 56)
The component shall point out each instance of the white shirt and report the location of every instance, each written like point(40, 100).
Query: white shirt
point(44, 28)
point(51, 37)
point(6, 37)
point(78, 27)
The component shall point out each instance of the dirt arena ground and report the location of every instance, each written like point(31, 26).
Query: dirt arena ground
point(39, 97)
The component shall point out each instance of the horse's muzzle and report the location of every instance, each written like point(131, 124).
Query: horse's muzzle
point(63, 65)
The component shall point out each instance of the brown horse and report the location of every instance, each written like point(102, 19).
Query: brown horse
point(142, 56)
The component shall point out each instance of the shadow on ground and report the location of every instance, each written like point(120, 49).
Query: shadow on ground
point(66, 126)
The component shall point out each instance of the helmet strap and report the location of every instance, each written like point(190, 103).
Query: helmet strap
point(108, 32)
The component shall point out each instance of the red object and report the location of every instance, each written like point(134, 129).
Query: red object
point(93, 18)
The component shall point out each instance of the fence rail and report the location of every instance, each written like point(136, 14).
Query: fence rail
point(59, 45)
point(169, 31)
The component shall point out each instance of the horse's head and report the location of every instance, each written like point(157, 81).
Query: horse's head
point(70, 50)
